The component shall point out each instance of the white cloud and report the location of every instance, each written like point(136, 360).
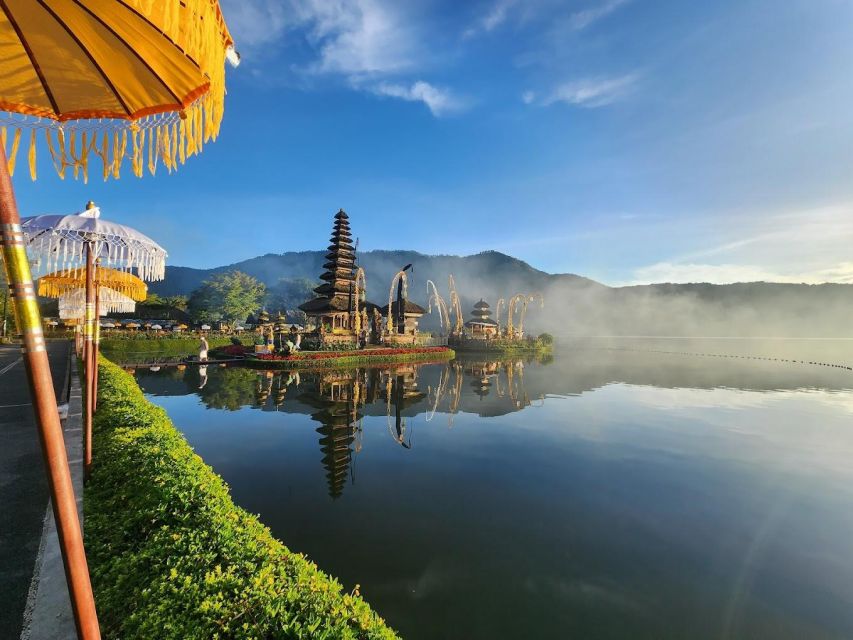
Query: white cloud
point(255, 23)
point(493, 18)
point(728, 273)
point(528, 97)
point(370, 44)
point(439, 101)
point(809, 245)
point(592, 92)
point(358, 37)
point(582, 19)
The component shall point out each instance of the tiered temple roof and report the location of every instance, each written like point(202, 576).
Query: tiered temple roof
point(482, 314)
point(333, 296)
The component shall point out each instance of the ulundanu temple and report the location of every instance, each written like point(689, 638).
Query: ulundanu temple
point(336, 301)
point(340, 311)
point(481, 324)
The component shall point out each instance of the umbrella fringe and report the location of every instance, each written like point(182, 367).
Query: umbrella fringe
point(170, 139)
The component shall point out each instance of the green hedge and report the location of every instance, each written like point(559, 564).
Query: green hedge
point(136, 348)
point(171, 556)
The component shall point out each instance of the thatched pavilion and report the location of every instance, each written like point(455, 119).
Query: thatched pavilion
point(407, 323)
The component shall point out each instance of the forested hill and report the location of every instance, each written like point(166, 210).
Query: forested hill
point(574, 305)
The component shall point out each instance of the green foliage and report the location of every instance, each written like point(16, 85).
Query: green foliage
point(546, 338)
point(287, 294)
point(136, 346)
point(171, 556)
point(228, 297)
point(178, 302)
point(230, 389)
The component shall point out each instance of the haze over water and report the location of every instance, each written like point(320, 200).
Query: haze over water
point(622, 489)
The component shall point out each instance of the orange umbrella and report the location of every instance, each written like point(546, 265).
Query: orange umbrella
point(132, 79)
point(60, 283)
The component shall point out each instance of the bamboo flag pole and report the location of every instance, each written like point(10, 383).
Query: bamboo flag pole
point(46, 413)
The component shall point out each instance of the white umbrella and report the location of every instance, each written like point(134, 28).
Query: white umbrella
point(156, 327)
point(59, 242)
point(205, 327)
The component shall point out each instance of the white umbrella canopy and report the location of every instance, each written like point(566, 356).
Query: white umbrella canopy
point(58, 242)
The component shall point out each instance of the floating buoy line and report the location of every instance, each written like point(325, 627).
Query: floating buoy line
point(731, 356)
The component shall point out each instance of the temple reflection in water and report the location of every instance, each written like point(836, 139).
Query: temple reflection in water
point(338, 400)
point(405, 398)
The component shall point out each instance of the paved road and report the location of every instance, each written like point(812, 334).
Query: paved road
point(23, 487)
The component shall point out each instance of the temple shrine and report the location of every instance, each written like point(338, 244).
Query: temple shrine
point(337, 302)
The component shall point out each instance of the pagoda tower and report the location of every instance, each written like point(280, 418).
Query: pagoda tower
point(334, 299)
point(481, 324)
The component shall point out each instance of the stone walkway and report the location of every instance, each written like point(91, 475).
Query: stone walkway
point(23, 486)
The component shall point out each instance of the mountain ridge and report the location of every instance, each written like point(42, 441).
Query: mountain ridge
point(574, 304)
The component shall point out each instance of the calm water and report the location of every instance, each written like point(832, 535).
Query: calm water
point(623, 489)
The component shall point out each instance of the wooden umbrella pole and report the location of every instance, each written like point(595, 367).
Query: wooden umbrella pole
point(47, 416)
point(97, 341)
point(89, 356)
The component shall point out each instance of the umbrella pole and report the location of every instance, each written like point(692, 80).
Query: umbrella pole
point(97, 344)
point(89, 358)
point(47, 416)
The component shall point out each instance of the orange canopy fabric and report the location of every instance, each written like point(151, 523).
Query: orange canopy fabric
point(61, 283)
point(113, 79)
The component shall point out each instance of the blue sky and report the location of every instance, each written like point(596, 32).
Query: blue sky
point(624, 140)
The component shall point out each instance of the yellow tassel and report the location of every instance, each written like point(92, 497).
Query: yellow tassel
point(140, 160)
point(119, 149)
point(174, 149)
point(190, 125)
point(115, 155)
point(16, 140)
point(57, 165)
point(182, 146)
point(153, 141)
point(61, 142)
point(163, 136)
point(84, 157)
point(72, 151)
point(105, 154)
point(135, 158)
point(32, 155)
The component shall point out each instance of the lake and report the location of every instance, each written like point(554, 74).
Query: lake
point(622, 488)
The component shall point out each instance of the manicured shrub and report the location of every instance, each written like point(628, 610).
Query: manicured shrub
point(131, 348)
point(171, 555)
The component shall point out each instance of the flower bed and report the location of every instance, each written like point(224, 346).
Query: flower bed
point(172, 556)
point(233, 350)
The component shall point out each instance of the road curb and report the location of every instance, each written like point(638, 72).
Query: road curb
point(48, 614)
